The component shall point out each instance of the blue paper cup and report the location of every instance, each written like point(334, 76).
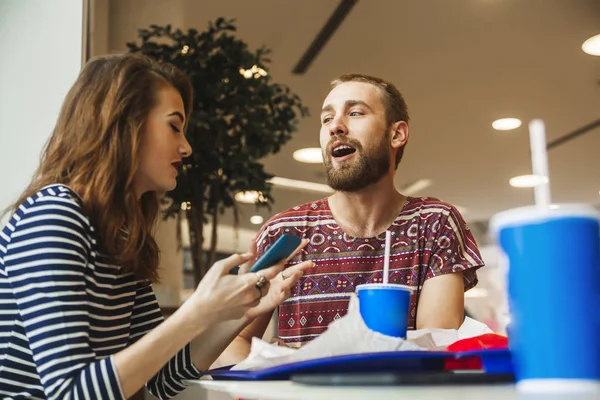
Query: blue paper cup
point(554, 296)
point(385, 307)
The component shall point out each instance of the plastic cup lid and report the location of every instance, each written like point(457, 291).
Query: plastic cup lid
point(378, 286)
point(533, 214)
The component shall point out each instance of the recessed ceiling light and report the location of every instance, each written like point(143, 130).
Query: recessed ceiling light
point(250, 197)
point(301, 185)
point(310, 155)
point(256, 219)
point(527, 181)
point(506, 124)
point(592, 46)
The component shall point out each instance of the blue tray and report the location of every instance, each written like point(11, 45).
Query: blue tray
point(494, 361)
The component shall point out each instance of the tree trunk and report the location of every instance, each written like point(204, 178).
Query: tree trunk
point(213, 207)
point(213, 238)
point(196, 222)
point(236, 225)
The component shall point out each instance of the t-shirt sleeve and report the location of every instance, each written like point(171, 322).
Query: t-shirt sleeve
point(264, 238)
point(454, 249)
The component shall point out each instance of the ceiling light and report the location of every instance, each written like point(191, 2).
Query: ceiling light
point(416, 186)
point(311, 155)
point(527, 181)
point(506, 124)
point(250, 197)
point(301, 185)
point(592, 46)
point(476, 293)
point(256, 219)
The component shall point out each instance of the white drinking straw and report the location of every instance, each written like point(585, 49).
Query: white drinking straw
point(386, 260)
point(539, 161)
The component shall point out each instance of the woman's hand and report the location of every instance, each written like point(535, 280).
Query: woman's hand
point(221, 296)
point(280, 285)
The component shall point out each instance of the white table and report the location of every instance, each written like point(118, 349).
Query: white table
point(287, 390)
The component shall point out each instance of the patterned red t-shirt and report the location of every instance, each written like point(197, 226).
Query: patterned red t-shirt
point(429, 238)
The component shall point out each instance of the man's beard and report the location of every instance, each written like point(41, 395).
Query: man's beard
point(363, 170)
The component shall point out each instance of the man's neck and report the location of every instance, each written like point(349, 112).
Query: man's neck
point(368, 212)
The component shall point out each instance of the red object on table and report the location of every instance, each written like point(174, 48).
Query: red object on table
point(488, 341)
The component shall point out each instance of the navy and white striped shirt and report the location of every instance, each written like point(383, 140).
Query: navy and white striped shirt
point(64, 311)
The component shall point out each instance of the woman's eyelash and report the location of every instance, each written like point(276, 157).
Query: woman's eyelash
point(175, 129)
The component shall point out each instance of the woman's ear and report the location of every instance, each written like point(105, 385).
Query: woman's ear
point(399, 134)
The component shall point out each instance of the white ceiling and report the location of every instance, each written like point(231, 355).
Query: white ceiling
point(460, 64)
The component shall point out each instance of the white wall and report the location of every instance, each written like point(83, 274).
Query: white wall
point(41, 48)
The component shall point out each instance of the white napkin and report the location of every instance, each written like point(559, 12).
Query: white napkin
point(350, 335)
point(438, 339)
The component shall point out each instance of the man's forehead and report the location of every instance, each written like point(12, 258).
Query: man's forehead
point(353, 91)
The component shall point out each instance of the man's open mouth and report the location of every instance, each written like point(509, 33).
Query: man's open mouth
point(342, 150)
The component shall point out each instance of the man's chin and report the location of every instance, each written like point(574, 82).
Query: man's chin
point(350, 183)
point(342, 184)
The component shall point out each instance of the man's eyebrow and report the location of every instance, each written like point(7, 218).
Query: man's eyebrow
point(327, 108)
point(352, 103)
point(347, 104)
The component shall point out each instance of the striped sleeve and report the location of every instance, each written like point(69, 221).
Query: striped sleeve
point(168, 382)
point(45, 263)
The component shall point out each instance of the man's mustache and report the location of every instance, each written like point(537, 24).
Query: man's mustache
point(354, 143)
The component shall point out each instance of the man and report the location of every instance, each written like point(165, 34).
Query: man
point(364, 130)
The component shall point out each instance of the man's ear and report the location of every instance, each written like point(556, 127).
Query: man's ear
point(399, 134)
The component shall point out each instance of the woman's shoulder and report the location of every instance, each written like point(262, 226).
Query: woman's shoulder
point(52, 217)
point(56, 199)
point(55, 193)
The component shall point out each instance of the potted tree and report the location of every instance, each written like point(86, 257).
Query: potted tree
point(239, 116)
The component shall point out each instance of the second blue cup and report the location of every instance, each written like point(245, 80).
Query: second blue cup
point(385, 307)
point(554, 296)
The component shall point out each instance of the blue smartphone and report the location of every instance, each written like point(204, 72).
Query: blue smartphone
point(281, 249)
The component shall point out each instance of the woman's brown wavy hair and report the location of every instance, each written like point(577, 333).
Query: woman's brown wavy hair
point(94, 150)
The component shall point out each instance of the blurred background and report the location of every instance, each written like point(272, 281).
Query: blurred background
point(461, 65)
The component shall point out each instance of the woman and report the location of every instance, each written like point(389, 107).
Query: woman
point(78, 317)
